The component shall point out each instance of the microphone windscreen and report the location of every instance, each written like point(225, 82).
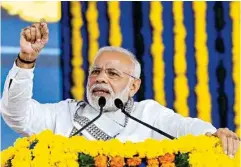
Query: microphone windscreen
point(119, 103)
point(102, 101)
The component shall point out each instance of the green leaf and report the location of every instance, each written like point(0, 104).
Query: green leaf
point(86, 160)
point(33, 144)
point(9, 163)
point(181, 160)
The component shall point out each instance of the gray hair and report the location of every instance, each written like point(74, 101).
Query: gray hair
point(137, 71)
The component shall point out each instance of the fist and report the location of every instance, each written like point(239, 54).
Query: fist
point(33, 39)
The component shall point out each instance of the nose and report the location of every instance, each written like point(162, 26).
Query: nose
point(102, 77)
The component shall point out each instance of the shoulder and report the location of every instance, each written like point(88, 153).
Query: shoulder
point(68, 107)
point(72, 105)
point(153, 108)
point(152, 105)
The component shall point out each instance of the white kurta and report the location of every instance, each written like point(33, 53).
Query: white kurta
point(27, 116)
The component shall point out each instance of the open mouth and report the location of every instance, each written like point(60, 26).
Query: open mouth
point(100, 91)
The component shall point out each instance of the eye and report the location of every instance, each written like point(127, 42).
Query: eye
point(95, 72)
point(113, 73)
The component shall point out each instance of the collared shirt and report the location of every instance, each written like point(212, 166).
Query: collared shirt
point(27, 116)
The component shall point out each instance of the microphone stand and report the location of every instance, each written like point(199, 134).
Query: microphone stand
point(88, 124)
point(145, 124)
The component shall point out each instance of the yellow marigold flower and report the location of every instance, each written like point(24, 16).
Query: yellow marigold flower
point(45, 136)
point(22, 143)
point(22, 154)
point(21, 158)
point(166, 158)
point(40, 149)
point(40, 162)
point(56, 156)
point(237, 158)
point(72, 163)
point(100, 161)
point(90, 149)
point(71, 156)
point(61, 164)
point(110, 148)
point(20, 163)
point(6, 155)
point(153, 162)
point(32, 138)
point(62, 151)
point(117, 162)
point(170, 164)
point(135, 161)
point(73, 143)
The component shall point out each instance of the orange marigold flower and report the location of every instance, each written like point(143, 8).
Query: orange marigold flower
point(169, 164)
point(166, 158)
point(153, 162)
point(135, 161)
point(100, 161)
point(117, 162)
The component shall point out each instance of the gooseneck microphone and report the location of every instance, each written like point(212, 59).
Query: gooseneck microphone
point(101, 102)
point(119, 104)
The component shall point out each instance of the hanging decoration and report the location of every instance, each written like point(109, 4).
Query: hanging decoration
point(180, 65)
point(235, 16)
point(78, 75)
point(201, 54)
point(93, 30)
point(115, 37)
point(157, 49)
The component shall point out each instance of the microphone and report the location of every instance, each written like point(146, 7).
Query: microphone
point(119, 104)
point(101, 102)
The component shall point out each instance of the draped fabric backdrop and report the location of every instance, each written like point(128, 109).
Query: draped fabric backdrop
point(189, 52)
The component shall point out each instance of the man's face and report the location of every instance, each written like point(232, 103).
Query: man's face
point(109, 77)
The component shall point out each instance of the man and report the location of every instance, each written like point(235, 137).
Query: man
point(115, 74)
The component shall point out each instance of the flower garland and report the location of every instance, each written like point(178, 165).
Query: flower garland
point(115, 38)
point(235, 16)
point(47, 149)
point(157, 49)
point(202, 88)
point(180, 81)
point(93, 29)
point(77, 61)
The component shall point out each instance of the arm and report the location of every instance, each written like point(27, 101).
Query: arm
point(19, 110)
point(178, 125)
point(22, 113)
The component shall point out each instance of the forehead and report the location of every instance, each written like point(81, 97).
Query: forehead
point(113, 59)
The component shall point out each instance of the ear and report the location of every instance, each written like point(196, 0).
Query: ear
point(134, 87)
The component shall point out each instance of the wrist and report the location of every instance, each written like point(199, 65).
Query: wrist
point(26, 58)
point(23, 63)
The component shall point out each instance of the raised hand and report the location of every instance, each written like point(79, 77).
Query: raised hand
point(32, 41)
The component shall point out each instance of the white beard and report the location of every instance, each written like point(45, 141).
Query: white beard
point(109, 106)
